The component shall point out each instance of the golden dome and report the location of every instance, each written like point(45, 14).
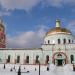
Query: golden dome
point(58, 29)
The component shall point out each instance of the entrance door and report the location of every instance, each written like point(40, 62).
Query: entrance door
point(59, 62)
point(59, 58)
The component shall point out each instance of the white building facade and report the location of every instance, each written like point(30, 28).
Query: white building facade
point(58, 48)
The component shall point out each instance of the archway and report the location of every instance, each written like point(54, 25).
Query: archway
point(59, 58)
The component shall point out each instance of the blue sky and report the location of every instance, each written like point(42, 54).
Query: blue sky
point(27, 21)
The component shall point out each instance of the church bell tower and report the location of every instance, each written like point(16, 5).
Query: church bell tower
point(2, 35)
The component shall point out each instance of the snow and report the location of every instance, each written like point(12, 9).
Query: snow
point(53, 70)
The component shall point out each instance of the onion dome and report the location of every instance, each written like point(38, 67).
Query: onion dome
point(58, 29)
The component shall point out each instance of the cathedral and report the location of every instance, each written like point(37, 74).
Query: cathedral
point(58, 47)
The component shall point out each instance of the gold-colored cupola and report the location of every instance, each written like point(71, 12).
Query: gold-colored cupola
point(58, 29)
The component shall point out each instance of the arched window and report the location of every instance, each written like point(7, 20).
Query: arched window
point(64, 41)
point(58, 41)
point(47, 59)
point(69, 41)
point(37, 59)
point(27, 59)
point(8, 60)
point(72, 58)
point(48, 41)
point(18, 59)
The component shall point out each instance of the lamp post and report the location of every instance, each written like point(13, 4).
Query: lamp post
point(39, 67)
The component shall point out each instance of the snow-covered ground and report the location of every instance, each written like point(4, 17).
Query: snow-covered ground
point(54, 70)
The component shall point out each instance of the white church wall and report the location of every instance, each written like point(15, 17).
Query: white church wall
point(32, 54)
point(53, 39)
point(22, 53)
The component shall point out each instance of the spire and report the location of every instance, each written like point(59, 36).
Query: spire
point(57, 23)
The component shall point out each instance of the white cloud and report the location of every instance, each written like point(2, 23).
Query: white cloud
point(19, 4)
point(29, 4)
point(60, 3)
point(30, 39)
